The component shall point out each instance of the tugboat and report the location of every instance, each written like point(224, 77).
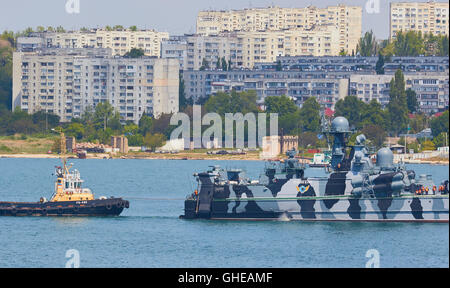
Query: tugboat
point(355, 189)
point(69, 199)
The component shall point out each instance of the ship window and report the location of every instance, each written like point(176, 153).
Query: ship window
point(67, 184)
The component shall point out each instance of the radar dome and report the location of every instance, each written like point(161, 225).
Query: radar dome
point(340, 124)
point(385, 158)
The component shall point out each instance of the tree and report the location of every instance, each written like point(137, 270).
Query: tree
point(282, 105)
point(367, 45)
point(388, 49)
point(310, 115)
point(103, 112)
point(409, 43)
point(379, 67)
point(133, 28)
point(279, 67)
point(205, 65)
point(8, 36)
point(440, 124)
point(183, 102)
point(350, 107)
point(75, 130)
point(243, 102)
point(45, 120)
point(131, 131)
point(375, 134)
point(443, 45)
point(145, 124)
point(397, 106)
point(428, 145)
point(6, 75)
point(162, 125)
point(418, 122)
point(343, 52)
point(218, 63)
point(224, 64)
point(114, 122)
point(135, 53)
point(288, 113)
point(373, 114)
point(154, 141)
point(307, 139)
point(60, 29)
point(441, 140)
point(118, 28)
point(411, 100)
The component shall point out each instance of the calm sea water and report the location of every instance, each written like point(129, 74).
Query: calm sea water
point(150, 234)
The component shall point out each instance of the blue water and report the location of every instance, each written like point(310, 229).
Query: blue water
point(150, 234)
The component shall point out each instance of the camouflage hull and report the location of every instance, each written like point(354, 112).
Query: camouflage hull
point(401, 209)
point(107, 207)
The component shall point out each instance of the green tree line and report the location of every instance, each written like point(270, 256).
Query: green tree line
point(408, 43)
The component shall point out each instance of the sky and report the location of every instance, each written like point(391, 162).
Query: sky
point(174, 16)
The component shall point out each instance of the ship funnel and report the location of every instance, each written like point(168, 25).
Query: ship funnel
point(385, 158)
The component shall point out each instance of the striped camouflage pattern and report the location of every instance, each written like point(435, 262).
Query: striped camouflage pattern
point(289, 203)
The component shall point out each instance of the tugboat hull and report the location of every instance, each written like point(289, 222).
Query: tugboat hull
point(402, 209)
point(107, 207)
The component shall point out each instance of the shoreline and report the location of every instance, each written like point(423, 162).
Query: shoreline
point(182, 156)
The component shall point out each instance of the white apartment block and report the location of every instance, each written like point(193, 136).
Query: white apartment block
point(175, 48)
point(427, 17)
point(245, 49)
point(67, 83)
point(119, 41)
point(347, 19)
point(432, 89)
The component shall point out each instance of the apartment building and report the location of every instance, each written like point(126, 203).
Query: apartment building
point(329, 79)
point(245, 49)
point(67, 82)
point(297, 85)
point(426, 17)
point(346, 19)
point(119, 41)
point(431, 89)
point(176, 48)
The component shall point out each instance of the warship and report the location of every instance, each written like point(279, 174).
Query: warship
point(354, 189)
point(69, 199)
